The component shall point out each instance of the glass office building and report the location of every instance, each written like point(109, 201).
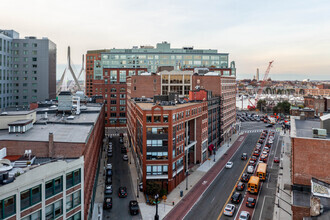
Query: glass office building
point(163, 55)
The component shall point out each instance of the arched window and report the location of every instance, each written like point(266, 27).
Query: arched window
point(113, 90)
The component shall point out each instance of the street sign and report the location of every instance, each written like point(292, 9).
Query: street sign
point(164, 198)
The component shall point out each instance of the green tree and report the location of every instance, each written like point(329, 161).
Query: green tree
point(261, 103)
point(282, 107)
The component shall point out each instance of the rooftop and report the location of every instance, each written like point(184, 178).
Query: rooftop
point(304, 127)
point(74, 129)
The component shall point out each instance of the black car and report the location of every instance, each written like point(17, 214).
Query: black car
point(240, 186)
point(269, 126)
point(108, 190)
point(236, 197)
point(108, 180)
point(107, 203)
point(123, 150)
point(251, 202)
point(109, 154)
point(133, 207)
point(244, 156)
point(122, 192)
point(245, 177)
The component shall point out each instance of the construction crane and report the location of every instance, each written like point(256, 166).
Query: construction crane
point(261, 88)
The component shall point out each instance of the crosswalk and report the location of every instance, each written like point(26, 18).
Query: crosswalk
point(257, 131)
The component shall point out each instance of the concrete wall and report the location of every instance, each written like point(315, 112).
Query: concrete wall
point(310, 158)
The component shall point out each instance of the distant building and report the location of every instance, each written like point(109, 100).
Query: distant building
point(44, 188)
point(108, 69)
point(55, 136)
point(27, 69)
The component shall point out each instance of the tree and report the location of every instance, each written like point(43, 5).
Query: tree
point(153, 188)
point(282, 107)
point(261, 103)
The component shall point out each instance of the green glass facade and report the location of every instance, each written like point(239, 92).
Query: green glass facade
point(163, 55)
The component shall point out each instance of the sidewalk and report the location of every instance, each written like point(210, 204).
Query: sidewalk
point(99, 194)
point(195, 174)
point(282, 208)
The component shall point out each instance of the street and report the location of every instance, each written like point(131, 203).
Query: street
point(121, 177)
point(213, 200)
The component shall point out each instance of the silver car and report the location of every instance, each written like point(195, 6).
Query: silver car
point(229, 210)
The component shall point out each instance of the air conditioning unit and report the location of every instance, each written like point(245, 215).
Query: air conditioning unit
point(319, 133)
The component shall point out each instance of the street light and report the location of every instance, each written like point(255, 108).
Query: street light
point(156, 198)
point(137, 187)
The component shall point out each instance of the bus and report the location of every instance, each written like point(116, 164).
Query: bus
point(253, 184)
point(261, 171)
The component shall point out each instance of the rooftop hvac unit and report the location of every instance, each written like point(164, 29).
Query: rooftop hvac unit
point(319, 133)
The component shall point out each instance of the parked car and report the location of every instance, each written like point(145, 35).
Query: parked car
point(276, 160)
point(269, 125)
point(108, 190)
point(109, 154)
point(245, 177)
point(250, 202)
point(250, 169)
point(229, 165)
point(123, 150)
point(141, 186)
point(109, 172)
point(134, 207)
point(236, 197)
point(122, 192)
point(108, 180)
point(244, 215)
point(125, 157)
point(244, 156)
point(107, 203)
point(240, 186)
point(256, 153)
point(109, 166)
point(229, 210)
point(121, 140)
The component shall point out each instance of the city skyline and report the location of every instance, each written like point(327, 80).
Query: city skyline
point(293, 34)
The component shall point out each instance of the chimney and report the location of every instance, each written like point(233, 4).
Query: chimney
point(50, 144)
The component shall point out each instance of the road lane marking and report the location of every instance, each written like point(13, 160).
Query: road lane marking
point(262, 207)
point(212, 199)
point(223, 208)
point(278, 138)
point(213, 180)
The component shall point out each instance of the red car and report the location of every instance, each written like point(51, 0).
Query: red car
point(256, 153)
point(252, 163)
point(276, 160)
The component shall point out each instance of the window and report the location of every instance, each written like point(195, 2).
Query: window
point(35, 45)
point(122, 76)
point(122, 89)
point(34, 59)
point(25, 44)
point(157, 170)
point(34, 216)
point(73, 200)
point(157, 118)
point(148, 118)
point(7, 207)
point(113, 76)
point(113, 102)
point(123, 102)
point(30, 197)
point(73, 178)
point(113, 90)
point(76, 216)
point(54, 186)
point(113, 109)
point(54, 210)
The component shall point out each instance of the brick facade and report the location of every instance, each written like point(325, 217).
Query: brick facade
point(310, 158)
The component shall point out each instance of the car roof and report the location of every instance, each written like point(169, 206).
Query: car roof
point(251, 199)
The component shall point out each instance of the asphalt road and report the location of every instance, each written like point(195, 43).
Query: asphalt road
point(265, 205)
point(121, 177)
point(213, 200)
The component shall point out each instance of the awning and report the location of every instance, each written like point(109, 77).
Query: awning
point(211, 147)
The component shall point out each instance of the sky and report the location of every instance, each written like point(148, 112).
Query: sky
point(295, 34)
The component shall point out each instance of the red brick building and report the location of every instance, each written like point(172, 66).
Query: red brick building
point(166, 139)
point(82, 136)
point(315, 102)
point(310, 159)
